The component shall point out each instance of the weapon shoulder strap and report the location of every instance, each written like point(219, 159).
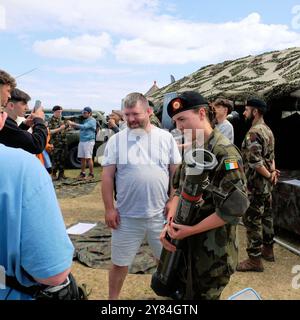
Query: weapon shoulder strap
point(13, 283)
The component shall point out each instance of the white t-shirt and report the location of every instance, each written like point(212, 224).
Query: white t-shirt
point(142, 177)
point(226, 129)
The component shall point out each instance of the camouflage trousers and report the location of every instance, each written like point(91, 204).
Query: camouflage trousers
point(58, 158)
point(205, 268)
point(204, 286)
point(258, 221)
point(210, 288)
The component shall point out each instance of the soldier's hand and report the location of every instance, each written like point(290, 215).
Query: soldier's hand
point(112, 218)
point(50, 148)
point(274, 177)
point(179, 231)
point(163, 239)
point(71, 123)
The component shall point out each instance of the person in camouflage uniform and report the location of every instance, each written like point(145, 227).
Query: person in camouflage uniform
point(59, 140)
point(259, 159)
point(209, 243)
point(153, 118)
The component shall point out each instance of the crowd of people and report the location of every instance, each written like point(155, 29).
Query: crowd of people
point(147, 182)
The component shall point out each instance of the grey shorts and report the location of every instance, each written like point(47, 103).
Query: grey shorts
point(127, 239)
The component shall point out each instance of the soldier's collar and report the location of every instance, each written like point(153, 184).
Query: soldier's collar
point(212, 140)
point(258, 121)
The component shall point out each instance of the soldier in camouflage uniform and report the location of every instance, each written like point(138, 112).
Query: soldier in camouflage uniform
point(209, 243)
point(259, 159)
point(153, 118)
point(59, 140)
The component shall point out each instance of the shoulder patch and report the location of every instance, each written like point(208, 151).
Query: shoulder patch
point(253, 136)
point(231, 164)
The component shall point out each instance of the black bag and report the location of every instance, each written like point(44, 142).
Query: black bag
point(68, 290)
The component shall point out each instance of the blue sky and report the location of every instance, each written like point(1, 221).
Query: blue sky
point(94, 52)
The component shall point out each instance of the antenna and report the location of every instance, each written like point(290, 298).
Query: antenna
point(23, 74)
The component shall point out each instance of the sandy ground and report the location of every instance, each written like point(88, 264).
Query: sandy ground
point(275, 283)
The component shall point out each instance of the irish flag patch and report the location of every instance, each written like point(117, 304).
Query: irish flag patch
point(231, 164)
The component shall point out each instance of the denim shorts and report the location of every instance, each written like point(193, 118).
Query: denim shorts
point(127, 239)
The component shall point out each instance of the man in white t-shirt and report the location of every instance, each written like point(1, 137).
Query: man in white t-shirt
point(222, 108)
point(142, 159)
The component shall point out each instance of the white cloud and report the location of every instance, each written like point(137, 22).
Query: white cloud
point(141, 34)
point(2, 18)
point(125, 16)
point(90, 70)
point(85, 48)
point(183, 42)
point(102, 95)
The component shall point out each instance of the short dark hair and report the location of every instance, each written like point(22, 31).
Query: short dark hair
point(6, 78)
point(55, 108)
point(19, 95)
point(259, 104)
point(225, 103)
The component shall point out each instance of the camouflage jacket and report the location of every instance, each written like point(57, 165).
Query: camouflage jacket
point(155, 121)
point(59, 137)
point(215, 251)
point(257, 151)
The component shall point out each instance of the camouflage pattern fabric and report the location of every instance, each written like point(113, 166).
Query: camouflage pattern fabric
point(258, 150)
point(258, 221)
point(61, 136)
point(58, 157)
point(211, 256)
point(73, 188)
point(286, 203)
point(177, 177)
point(93, 250)
point(155, 121)
point(59, 141)
point(270, 75)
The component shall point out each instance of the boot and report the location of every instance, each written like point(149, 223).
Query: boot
point(53, 175)
point(61, 176)
point(267, 252)
point(251, 264)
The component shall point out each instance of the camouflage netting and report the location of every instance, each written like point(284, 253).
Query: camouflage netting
point(269, 75)
point(93, 250)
